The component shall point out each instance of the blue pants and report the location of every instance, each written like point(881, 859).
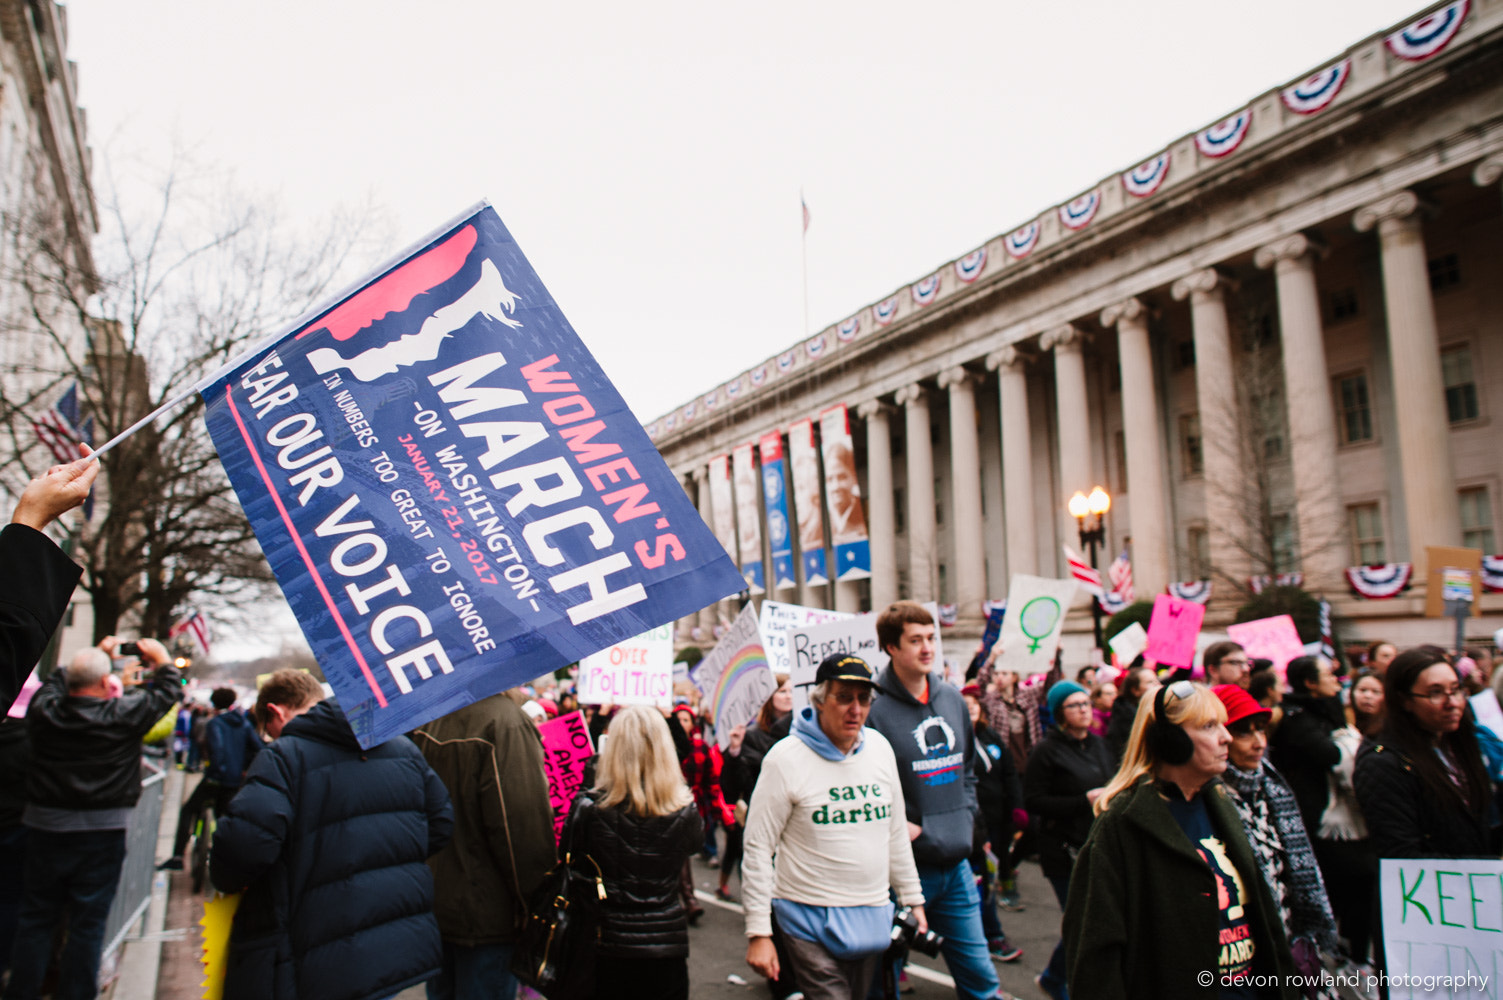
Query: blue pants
point(479, 973)
point(76, 873)
point(953, 908)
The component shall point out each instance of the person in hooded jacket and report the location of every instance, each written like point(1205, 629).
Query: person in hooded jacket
point(639, 825)
point(926, 722)
point(1065, 774)
point(233, 744)
point(999, 794)
point(329, 843)
point(1316, 749)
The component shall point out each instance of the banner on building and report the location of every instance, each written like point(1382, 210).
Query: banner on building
point(734, 678)
point(722, 509)
point(635, 671)
point(748, 517)
point(566, 748)
point(804, 458)
point(451, 494)
point(775, 498)
point(853, 556)
point(778, 619)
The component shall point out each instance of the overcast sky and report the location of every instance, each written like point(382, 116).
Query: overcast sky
point(649, 157)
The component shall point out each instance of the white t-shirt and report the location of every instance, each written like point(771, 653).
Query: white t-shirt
point(830, 824)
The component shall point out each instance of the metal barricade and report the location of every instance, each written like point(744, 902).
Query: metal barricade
point(136, 875)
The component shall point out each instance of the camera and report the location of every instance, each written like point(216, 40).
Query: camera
point(128, 649)
point(905, 934)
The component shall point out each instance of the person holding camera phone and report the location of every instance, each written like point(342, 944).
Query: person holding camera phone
point(828, 802)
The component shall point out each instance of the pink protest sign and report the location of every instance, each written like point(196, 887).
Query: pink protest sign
point(1172, 631)
point(1273, 639)
point(23, 699)
point(566, 747)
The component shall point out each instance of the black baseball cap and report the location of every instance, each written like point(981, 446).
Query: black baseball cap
point(844, 667)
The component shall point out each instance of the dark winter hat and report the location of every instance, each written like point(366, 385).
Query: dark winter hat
point(1059, 692)
point(843, 667)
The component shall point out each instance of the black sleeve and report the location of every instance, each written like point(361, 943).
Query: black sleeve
point(1041, 800)
point(36, 582)
point(248, 840)
point(1390, 801)
point(682, 745)
point(1011, 783)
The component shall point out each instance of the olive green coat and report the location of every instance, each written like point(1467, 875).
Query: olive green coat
point(1142, 917)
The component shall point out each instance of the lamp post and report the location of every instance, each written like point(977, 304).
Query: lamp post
point(1081, 507)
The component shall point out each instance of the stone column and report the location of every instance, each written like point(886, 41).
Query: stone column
point(702, 486)
point(1220, 436)
point(1017, 461)
point(1067, 343)
point(1145, 451)
point(1312, 413)
point(881, 516)
point(1428, 474)
point(965, 485)
point(921, 535)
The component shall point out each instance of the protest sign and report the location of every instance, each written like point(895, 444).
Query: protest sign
point(1031, 629)
point(804, 458)
point(855, 635)
point(635, 671)
point(1485, 707)
point(451, 494)
point(1172, 631)
point(1128, 643)
point(734, 678)
point(748, 516)
point(1444, 565)
point(853, 557)
point(775, 497)
point(18, 707)
point(778, 619)
point(995, 612)
point(566, 748)
point(1442, 927)
point(1273, 639)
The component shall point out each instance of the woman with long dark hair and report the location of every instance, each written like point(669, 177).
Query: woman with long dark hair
point(1422, 784)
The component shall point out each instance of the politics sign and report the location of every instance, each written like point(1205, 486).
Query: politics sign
point(778, 619)
point(775, 498)
point(1442, 927)
point(451, 494)
point(804, 457)
point(635, 671)
point(854, 635)
point(853, 557)
point(1172, 631)
point(734, 678)
point(1036, 608)
point(566, 748)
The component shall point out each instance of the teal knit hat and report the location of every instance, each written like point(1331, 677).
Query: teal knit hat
point(1057, 695)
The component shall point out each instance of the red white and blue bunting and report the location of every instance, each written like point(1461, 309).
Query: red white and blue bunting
point(689, 411)
point(1257, 584)
point(1111, 602)
point(926, 290)
point(733, 389)
point(1020, 243)
point(1144, 179)
point(846, 332)
point(652, 431)
point(886, 311)
point(1077, 214)
point(670, 421)
point(1427, 36)
point(1198, 591)
point(1225, 136)
point(1314, 93)
point(969, 267)
point(1379, 581)
point(785, 362)
point(1492, 574)
point(949, 614)
point(712, 400)
point(815, 346)
point(758, 375)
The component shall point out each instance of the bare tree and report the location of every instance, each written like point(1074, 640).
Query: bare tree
point(183, 286)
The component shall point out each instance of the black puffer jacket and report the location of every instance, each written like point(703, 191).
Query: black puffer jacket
point(87, 751)
point(1060, 771)
point(1405, 819)
point(1302, 749)
point(640, 858)
point(329, 842)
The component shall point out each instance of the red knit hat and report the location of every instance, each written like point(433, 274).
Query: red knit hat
point(973, 689)
point(1239, 704)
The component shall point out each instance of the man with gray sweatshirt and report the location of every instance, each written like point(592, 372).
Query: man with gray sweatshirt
point(926, 722)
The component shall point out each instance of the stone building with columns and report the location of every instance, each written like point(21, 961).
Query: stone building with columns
point(1277, 342)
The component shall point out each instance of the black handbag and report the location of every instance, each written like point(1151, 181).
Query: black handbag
point(555, 953)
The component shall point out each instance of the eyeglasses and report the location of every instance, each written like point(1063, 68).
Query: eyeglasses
point(1075, 704)
point(862, 695)
point(1440, 696)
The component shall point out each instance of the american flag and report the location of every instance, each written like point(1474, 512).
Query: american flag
point(1081, 570)
point(197, 627)
point(805, 206)
point(1120, 573)
point(58, 428)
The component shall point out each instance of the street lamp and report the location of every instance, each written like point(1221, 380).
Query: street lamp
point(1083, 506)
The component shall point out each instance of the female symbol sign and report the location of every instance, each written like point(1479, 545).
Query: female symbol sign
point(1038, 618)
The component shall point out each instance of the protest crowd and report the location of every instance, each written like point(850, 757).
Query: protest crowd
point(1215, 817)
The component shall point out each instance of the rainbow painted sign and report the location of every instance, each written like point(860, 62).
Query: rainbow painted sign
point(735, 679)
